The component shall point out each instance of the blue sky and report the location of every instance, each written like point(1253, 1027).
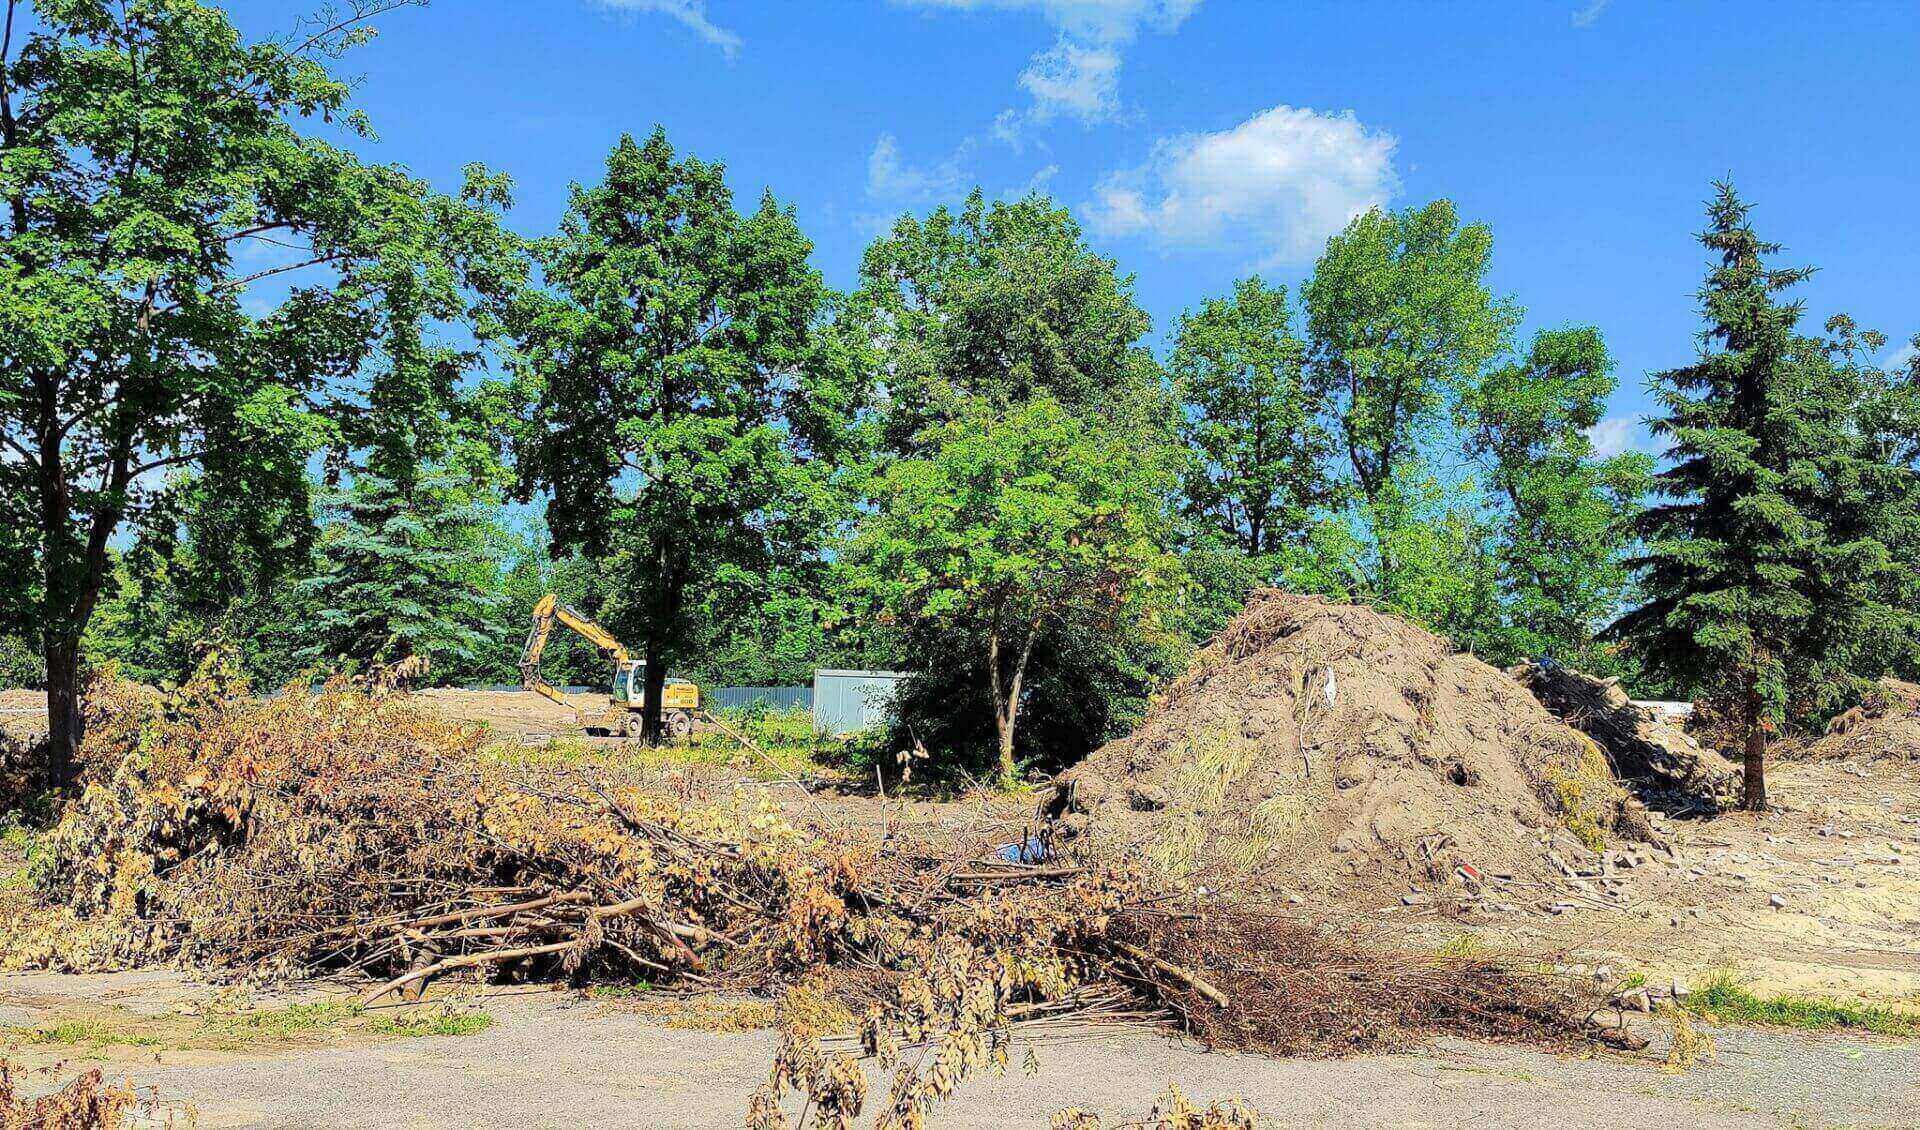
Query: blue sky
point(1201, 140)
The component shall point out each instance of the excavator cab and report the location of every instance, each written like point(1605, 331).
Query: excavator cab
point(679, 700)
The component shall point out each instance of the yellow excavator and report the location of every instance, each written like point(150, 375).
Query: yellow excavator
point(680, 700)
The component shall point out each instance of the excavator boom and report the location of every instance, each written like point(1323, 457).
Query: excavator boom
point(544, 614)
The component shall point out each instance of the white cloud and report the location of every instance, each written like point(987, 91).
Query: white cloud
point(1080, 81)
point(1590, 14)
point(1036, 183)
point(1283, 181)
point(692, 14)
point(1614, 435)
point(1079, 76)
point(894, 181)
point(1900, 358)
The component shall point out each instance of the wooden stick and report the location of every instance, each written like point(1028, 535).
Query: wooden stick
point(1190, 980)
point(461, 962)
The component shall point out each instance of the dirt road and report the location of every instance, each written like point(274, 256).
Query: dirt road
point(554, 1059)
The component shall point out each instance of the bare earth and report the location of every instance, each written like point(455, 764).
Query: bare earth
point(1840, 853)
point(553, 1059)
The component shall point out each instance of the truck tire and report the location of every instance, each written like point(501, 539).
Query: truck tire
point(633, 724)
point(679, 725)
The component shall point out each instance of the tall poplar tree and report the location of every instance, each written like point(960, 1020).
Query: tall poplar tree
point(1260, 452)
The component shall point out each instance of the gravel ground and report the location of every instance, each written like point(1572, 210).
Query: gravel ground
point(554, 1060)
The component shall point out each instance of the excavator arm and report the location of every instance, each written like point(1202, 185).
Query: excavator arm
point(544, 614)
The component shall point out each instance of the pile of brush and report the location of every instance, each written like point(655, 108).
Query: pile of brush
point(345, 829)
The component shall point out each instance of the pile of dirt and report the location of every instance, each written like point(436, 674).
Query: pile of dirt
point(1335, 753)
point(1885, 726)
point(1643, 746)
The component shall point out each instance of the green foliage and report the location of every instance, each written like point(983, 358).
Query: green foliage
point(20, 663)
point(1563, 516)
point(999, 320)
point(664, 368)
point(1399, 323)
point(1260, 475)
point(1001, 301)
point(1763, 572)
point(1017, 522)
point(155, 178)
point(406, 572)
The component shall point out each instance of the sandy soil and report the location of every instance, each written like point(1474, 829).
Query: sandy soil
point(23, 714)
point(553, 1059)
point(1840, 854)
point(518, 715)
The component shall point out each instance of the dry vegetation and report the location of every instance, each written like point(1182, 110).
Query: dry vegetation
point(350, 830)
point(89, 1102)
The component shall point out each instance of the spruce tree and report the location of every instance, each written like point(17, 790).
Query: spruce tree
point(1747, 591)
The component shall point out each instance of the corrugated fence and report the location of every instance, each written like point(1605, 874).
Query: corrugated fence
point(841, 701)
point(781, 699)
point(845, 701)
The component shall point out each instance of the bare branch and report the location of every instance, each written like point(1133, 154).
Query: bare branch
point(362, 13)
point(247, 280)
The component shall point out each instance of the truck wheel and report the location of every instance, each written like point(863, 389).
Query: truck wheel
point(680, 725)
point(633, 724)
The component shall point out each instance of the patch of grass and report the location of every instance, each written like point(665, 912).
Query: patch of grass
point(619, 992)
point(439, 1022)
point(1724, 999)
point(233, 1029)
point(1463, 946)
point(89, 1032)
point(230, 1031)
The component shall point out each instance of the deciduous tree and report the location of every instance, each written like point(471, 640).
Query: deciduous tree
point(1260, 473)
point(1399, 322)
point(153, 160)
point(1563, 515)
point(668, 367)
point(1014, 523)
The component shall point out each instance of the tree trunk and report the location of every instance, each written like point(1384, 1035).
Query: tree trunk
point(1004, 717)
point(65, 724)
point(1006, 695)
point(1755, 759)
point(652, 731)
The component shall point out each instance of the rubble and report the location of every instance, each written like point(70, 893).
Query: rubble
point(1642, 745)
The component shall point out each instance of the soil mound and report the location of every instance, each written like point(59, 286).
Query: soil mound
point(1885, 726)
point(1335, 753)
point(1642, 746)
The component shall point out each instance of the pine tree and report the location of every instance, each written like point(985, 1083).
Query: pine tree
point(406, 571)
point(1748, 593)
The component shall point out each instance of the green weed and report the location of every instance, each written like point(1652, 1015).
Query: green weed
point(440, 1022)
point(1723, 999)
point(92, 1032)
